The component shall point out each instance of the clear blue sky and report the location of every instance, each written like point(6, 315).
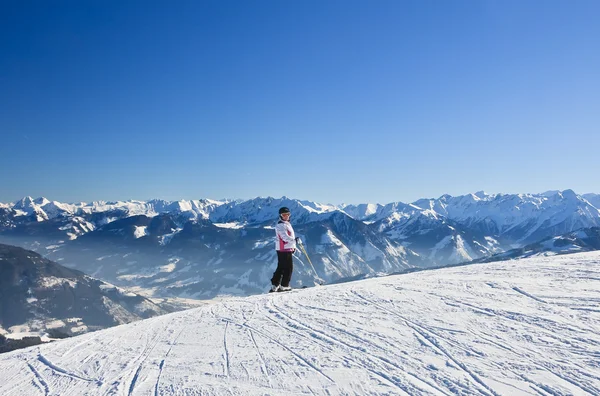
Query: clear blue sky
point(331, 101)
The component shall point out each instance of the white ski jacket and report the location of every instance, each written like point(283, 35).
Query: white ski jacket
point(286, 238)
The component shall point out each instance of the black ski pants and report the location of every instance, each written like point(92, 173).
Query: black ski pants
point(283, 273)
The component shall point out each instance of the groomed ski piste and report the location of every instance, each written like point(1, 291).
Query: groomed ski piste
point(525, 327)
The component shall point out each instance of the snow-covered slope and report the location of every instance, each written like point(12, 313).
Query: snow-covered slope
point(594, 199)
point(527, 327)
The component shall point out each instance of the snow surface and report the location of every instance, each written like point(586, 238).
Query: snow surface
point(52, 282)
point(165, 239)
point(20, 336)
point(522, 327)
point(140, 231)
point(233, 225)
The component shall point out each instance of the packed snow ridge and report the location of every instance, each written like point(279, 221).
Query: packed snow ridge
point(522, 327)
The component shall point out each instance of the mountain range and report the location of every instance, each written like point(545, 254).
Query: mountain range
point(204, 248)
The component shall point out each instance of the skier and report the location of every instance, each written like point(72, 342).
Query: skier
point(285, 246)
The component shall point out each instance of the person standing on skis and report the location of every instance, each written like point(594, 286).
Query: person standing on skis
point(285, 246)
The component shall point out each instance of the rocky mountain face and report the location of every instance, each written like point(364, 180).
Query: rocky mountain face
point(38, 295)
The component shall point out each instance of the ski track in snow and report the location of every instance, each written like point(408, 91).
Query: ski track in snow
point(62, 371)
point(528, 295)
point(226, 354)
point(427, 335)
point(317, 334)
point(527, 327)
point(40, 379)
point(162, 362)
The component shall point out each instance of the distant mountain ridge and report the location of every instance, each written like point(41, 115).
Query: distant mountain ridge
point(583, 240)
point(203, 248)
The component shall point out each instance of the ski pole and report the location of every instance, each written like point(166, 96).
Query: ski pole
point(310, 262)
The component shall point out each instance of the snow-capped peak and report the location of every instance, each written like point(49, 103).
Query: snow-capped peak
point(24, 204)
point(481, 194)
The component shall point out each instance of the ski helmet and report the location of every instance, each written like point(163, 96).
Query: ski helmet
point(283, 210)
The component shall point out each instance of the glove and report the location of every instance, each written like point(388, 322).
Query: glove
point(298, 241)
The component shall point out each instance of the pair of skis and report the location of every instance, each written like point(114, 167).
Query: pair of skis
point(283, 291)
point(288, 290)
